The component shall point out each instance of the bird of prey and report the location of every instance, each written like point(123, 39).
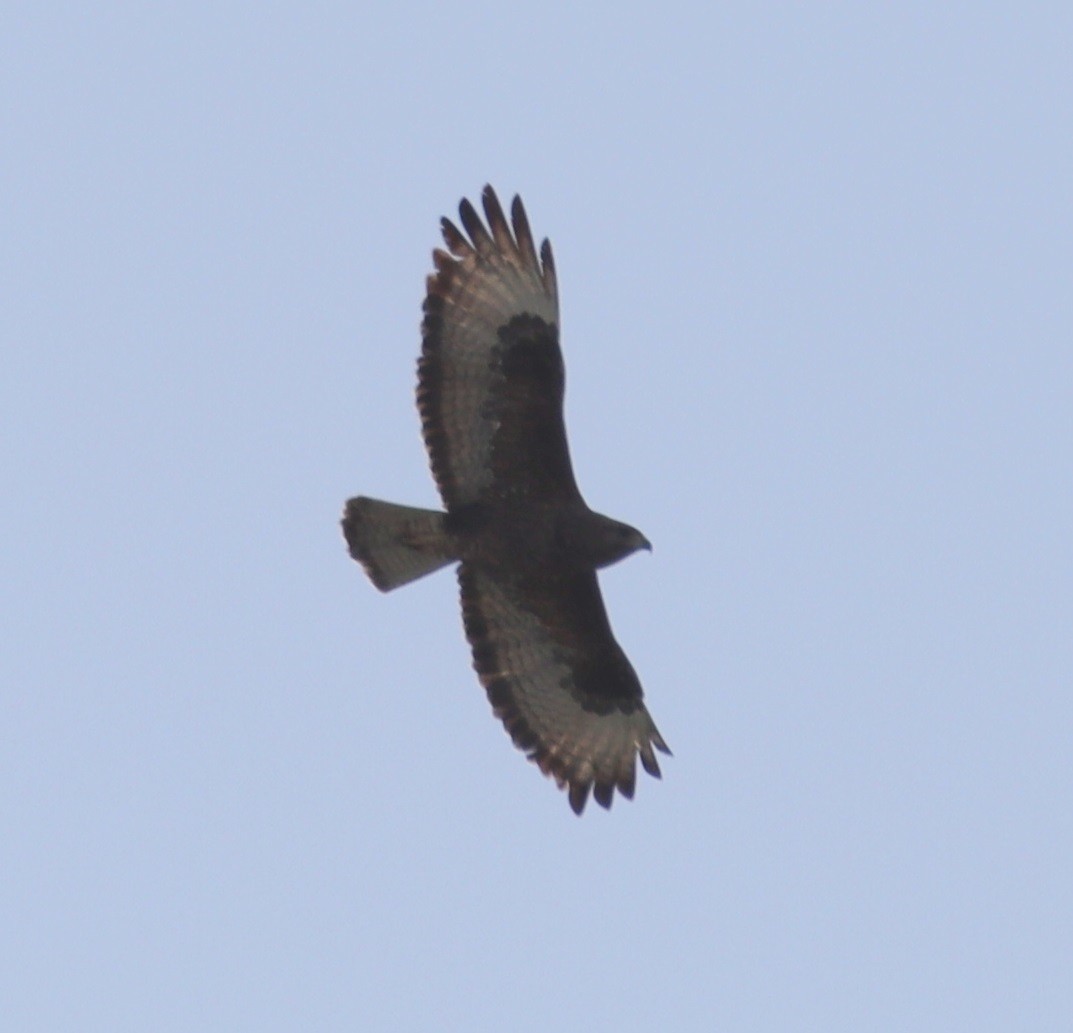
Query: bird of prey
point(490, 396)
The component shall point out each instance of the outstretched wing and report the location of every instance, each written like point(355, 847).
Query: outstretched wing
point(558, 680)
point(490, 377)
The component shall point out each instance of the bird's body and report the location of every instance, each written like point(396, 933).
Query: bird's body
point(490, 394)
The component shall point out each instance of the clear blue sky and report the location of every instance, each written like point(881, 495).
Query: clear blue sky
point(817, 281)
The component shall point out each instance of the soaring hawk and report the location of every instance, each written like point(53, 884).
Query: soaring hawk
point(490, 395)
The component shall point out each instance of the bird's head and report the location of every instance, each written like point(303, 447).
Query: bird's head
point(615, 541)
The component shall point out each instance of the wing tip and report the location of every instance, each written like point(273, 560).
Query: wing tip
point(578, 795)
point(497, 232)
point(547, 263)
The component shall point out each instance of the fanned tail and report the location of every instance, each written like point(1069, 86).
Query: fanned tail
point(396, 544)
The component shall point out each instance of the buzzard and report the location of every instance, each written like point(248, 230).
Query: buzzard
point(490, 395)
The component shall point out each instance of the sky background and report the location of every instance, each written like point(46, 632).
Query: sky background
point(816, 267)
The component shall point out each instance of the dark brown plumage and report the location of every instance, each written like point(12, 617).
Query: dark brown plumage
point(490, 395)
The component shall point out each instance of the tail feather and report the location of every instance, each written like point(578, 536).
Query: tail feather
point(396, 544)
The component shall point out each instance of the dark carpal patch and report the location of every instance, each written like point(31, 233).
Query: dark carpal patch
point(529, 354)
point(528, 405)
